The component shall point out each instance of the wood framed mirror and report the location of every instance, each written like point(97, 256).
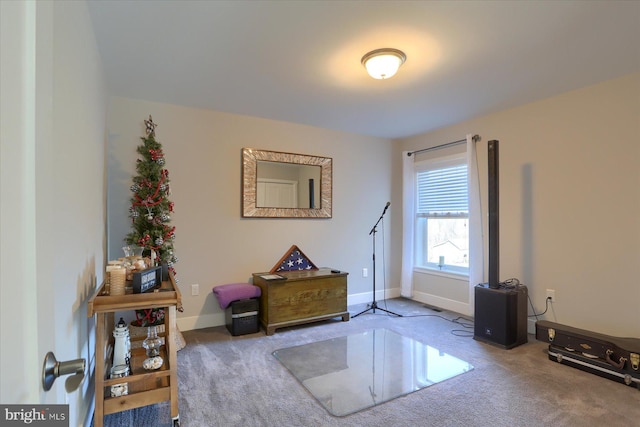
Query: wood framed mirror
point(285, 185)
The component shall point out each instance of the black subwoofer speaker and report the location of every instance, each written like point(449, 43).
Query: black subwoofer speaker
point(501, 315)
point(242, 316)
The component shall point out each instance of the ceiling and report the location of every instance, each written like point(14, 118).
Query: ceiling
point(299, 61)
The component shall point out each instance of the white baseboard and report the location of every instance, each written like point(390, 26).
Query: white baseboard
point(367, 297)
point(444, 303)
point(200, 322)
point(218, 319)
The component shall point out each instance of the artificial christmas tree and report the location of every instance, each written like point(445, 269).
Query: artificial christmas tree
point(151, 211)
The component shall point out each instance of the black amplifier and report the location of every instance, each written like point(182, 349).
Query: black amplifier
point(500, 316)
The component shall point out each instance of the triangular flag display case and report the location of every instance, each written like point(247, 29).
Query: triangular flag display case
point(294, 260)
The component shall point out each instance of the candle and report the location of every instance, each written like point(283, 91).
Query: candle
point(441, 262)
point(118, 279)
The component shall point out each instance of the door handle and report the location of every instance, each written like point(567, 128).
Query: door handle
point(53, 369)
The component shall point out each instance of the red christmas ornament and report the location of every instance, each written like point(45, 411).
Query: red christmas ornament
point(156, 154)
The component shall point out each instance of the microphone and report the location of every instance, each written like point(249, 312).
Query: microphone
point(373, 230)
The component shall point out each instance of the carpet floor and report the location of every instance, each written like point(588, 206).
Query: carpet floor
point(236, 381)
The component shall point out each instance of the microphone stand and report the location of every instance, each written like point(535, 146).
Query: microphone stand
point(374, 305)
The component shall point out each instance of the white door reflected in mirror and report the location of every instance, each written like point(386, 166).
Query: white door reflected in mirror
point(285, 185)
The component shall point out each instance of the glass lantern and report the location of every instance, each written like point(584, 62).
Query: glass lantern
point(152, 342)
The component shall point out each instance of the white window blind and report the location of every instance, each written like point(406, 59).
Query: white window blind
point(443, 192)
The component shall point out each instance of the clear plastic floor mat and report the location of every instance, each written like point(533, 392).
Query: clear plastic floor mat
point(352, 373)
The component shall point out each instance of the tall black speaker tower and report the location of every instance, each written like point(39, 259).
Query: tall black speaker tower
point(494, 215)
point(500, 316)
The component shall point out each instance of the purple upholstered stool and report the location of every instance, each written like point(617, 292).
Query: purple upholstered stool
point(240, 302)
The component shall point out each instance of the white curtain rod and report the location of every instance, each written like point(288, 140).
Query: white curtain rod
point(475, 138)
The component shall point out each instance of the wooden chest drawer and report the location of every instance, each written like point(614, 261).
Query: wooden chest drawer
point(303, 297)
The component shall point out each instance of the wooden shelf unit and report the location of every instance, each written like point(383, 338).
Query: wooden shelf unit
point(303, 297)
point(145, 387)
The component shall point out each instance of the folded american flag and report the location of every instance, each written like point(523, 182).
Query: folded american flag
point(293, 260)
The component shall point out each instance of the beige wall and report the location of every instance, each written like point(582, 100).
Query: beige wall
point(213, 243)
point(569, 201)
point(568, 176)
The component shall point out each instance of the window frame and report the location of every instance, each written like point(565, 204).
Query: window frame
point(419, 246)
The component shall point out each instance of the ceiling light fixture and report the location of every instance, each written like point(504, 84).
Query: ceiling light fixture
point(383, 63)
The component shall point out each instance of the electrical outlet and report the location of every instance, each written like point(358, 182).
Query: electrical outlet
point(551, 293)
point(195, 290)
point(365, 272)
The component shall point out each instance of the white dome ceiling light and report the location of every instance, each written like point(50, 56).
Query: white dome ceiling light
point(383, 63)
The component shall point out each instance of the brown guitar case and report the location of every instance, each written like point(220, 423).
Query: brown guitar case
point(604, 355)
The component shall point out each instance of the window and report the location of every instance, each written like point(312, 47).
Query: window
point(442, 215)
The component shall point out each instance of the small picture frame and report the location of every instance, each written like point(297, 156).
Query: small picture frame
point(144, 281)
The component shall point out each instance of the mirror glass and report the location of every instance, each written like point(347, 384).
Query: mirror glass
point(285, 185)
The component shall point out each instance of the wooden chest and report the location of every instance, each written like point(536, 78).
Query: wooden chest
point(301, 297)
